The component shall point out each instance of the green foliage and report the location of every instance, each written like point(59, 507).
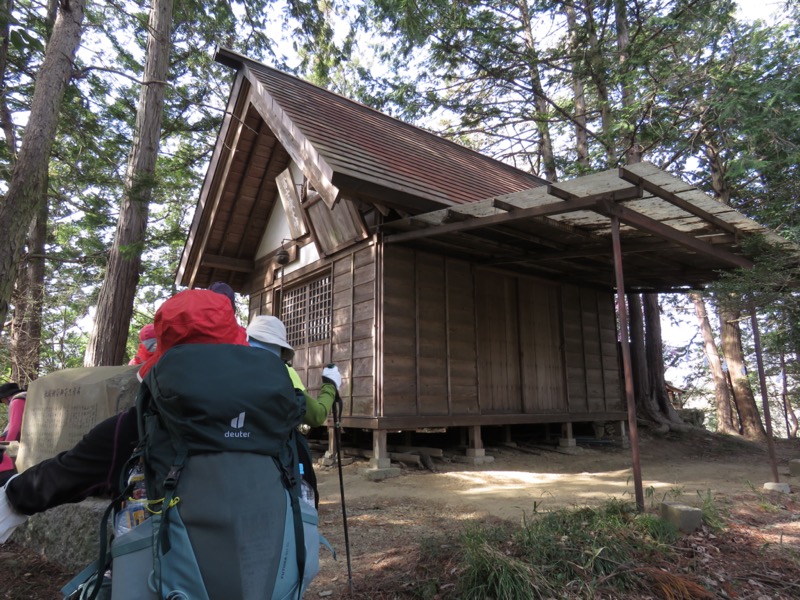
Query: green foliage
point(582, 551)
point(87, 170)
point(712, 515)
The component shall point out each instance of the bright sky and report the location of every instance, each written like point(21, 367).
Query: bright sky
point(760, 9)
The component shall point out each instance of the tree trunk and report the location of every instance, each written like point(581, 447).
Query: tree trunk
point(788, 411)
point(6, 119)
point(599, 76)
point(542, 107)
point(579, 96)
point(630, 145)
point(731, 338)
point(26, 327)
point(645, 405)
point(115, 304)
point(28, 186)
point(654, 348)
point(722, 397)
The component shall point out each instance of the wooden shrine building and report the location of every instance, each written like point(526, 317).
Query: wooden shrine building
point(452, 290)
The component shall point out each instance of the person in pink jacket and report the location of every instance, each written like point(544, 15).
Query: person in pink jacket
point(14, 396)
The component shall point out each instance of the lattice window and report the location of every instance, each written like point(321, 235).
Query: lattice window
point(306, 312)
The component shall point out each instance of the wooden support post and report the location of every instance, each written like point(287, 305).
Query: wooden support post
point(380, 454)
point(566, 440)
point(475, 447)
point(622, 435)
point(331, 442)
point(507, 436)
point(622, 313)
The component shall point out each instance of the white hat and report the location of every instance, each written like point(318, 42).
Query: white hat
point(270, 330)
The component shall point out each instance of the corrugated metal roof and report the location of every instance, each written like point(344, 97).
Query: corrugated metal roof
point(361, 142)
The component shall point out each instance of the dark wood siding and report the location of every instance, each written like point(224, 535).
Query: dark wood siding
point(352, 342)
point(460, 340)
point(590, 350)
point(462, 350)
point(399, 333)
point(497, 322)
point(432, 371)
point(540, 339)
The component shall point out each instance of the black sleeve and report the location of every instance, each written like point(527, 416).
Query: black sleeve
point(91, 468)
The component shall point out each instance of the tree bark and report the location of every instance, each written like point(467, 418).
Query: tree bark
point(115, 303)
point(26, 327)
point(28, 186)
point(788, 411)
point(645, 405)
point(722, 397)
point(599, 76)
point(579, 95)
point(631, 149)
point(540, 101)
point(654, 349)
point(731, 338)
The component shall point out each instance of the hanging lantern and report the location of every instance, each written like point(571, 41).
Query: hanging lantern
point(282, 256)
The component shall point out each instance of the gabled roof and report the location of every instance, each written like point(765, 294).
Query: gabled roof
point(343, 147)
point(461, 203)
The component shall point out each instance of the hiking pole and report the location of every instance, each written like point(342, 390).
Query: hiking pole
point(337, 436)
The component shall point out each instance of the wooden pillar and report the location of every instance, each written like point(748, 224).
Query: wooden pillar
point(507, 436)
point(566, 439)
point(380, 455)
point(622, 313)
point(622, 435)
point(475, 447)
point(331, 442)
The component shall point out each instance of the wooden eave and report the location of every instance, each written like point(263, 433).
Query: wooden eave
point(674, 236)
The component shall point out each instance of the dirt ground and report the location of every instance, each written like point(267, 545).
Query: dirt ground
point(387, 520)
point(755, 557)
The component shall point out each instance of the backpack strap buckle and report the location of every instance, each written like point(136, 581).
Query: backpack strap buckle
point(171, 480)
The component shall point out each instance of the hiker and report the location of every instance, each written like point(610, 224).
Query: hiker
point(220, 287)
point(94, 465)
point(14, 396)
point(199, 375)
point(147, 345)
point(269, 333)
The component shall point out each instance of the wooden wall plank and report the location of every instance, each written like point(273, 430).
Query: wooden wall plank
point(399, 333)
point(431, 334)
point(540, 341)
point(573, 349)
point(498, 342)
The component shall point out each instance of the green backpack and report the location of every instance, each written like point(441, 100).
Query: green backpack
point(217, 427)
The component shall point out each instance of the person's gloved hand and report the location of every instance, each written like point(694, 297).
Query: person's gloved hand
point(330, 374)
point(10, 519)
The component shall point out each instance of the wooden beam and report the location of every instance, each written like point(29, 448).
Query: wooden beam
point(676, 200)
point(216, 261)
point(500, 205)
point(214, 186)
point(553, 208)
point(293, 140)
point(640, 221)
point(628, 193)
